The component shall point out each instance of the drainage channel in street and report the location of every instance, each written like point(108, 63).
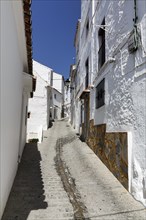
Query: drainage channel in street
point(80, 210)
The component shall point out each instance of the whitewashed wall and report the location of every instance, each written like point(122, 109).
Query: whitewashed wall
point(125, 85)
point(57, 104)
point(84, 45)
point(38, 106)
point(57, 82)
point(67, 102)
point(85, 42)
point(13, 63)
point(125, 79)
point(23, 123)
point(43, 71)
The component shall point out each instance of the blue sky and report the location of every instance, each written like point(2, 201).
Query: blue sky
point(54, 24)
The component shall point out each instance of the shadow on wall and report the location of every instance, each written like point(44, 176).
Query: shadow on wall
point(27, 191)
point(50, 123)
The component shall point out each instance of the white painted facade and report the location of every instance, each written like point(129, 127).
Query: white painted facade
point(39, 106)
point(57, 104)
point(67, 102)
point(84, 50)
point(57, 95)
point(125, 78)
point(57, 82)
point(44, 106)
point(16, 86)
point(72, 86)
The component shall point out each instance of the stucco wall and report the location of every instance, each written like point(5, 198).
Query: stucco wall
point(67, 102)
point(57, 82)
point(43, 71)
point(125, 85)
point(85, 42)
point(12, 67)
point(23, 123)
point(38, 108)
point(85, 45)
point(125, 111)
point(57, 103)
point(125, 79)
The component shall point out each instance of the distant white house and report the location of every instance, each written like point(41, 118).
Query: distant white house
point(16, 87)
point(47, 102)
point(57, 102)
point(56, 107)
point(67, 101)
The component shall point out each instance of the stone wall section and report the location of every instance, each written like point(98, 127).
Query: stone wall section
point(111, 148)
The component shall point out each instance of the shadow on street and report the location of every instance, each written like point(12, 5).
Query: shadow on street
point(27, 191)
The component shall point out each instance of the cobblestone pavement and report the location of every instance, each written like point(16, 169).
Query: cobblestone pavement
point(62, 179)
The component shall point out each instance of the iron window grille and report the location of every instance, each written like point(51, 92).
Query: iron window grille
point(100, 94)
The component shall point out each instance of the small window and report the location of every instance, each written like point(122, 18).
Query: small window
point(100, 94)
point(101, 52)
point(87, 27)
point(26, 116)
point(54, 96)
point(87, 73)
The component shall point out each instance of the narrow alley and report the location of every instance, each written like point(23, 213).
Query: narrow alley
point(62, 178)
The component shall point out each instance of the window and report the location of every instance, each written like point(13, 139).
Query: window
point(101, 52)
point(54, 96)
point(87, 73)
point(26, 116)
point(100, 94)
point(87, 28)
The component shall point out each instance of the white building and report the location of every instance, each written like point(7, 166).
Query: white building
point(75, 113)
point(16, 87)
point(67, 99)
point(39, 106)
point(57, 84)
point(112, 87)
point(47, 102)
point(56, 110)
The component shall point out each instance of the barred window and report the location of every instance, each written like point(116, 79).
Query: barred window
point(100, 94)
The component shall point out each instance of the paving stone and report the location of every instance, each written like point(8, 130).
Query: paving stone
point(40, 192)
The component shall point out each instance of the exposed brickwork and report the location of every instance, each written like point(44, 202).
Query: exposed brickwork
point(111, 148)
